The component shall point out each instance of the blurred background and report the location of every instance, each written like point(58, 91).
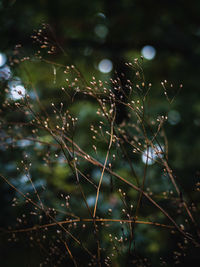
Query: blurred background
point(99, 37)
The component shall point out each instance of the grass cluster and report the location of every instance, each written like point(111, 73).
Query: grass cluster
point(89, 187)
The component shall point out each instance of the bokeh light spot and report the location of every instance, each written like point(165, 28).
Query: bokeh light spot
point(148, 52)
point(174, 117)
point(105, 65)
point(3, 59)
point(101, 15)
point(5, 73)
point(150, 155)
point(17, 90)
point(101, 30)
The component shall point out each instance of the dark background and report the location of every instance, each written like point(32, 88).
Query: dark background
point(90, 31)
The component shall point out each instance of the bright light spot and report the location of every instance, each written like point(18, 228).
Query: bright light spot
point(148, 52)
point(2, 59)
point(17, 90)
point(105, 65)
point(174, 117)
point(150, 155)
point(101, 31)
point(5, 73)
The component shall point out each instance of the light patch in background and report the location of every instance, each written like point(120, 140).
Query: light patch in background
point(24, 182)
point(96, 173)
point(87, 51)
point(24, 143)
point(148, 52)
point(17, 90)
point(101, 31)
point(3, 59)
point(151, 154)
point(24, 179)
point(101, 15)
point(91, 201)
point(197, 122)
point(105, 65)
point(174, 117)
point(5, 73)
